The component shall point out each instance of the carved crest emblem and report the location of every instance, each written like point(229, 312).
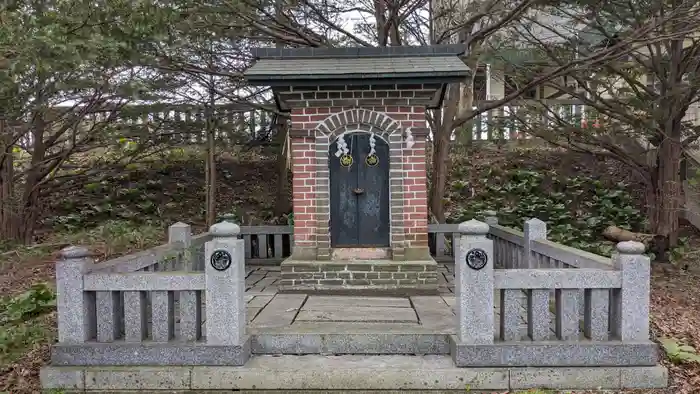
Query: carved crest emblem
point(346, 160)
point(477, 259)
point(372, 160)
point(221, 260)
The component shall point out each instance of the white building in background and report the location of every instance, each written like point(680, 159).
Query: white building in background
point(492, 81)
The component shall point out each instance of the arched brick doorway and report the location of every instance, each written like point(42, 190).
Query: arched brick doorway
point(359, 191)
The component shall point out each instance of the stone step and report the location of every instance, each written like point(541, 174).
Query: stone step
point(360, 253)
point(342, 373)
point(344, 343)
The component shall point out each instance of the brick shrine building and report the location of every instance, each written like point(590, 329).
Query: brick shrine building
point(358, 148)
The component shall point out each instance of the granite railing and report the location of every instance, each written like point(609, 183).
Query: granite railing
point(540, 312)
point(129, 312)
point(267, 244)
point(511, 247)
point(264, 245)
point(272, 244)
point(508, 242)
point(441, 243)
point(184, 251)
point(525, 314)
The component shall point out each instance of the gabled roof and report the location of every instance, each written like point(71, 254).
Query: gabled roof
point(279, 70)
point(338, 66)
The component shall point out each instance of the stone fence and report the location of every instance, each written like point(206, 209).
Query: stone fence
point(521, 300)
point(554, 305)
point(270, 245)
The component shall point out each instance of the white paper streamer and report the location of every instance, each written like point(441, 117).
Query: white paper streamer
point(342, 146)
point(372, 143)
point(409, 139)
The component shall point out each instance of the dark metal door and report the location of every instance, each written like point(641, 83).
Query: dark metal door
point(359, 184)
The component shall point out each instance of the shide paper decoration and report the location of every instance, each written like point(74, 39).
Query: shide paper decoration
point(342, 146)
point(372, 144)
point(409, 139)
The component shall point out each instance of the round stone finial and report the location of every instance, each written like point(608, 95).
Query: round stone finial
point(75, 252)
point(225, 229)
point(631, 247)
point(473, 227)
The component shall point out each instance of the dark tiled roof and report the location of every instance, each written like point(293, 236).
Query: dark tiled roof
point(354, 52)
point(290, 69)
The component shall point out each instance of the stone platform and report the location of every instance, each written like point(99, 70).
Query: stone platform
point(343, 373)
point(360, 277)
point(316, 342)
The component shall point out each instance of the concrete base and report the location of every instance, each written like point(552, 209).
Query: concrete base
point(554, 353)
point(369, 343)
point(348, 373)
point(120, 353)
point(359, 291)
point(359, 277)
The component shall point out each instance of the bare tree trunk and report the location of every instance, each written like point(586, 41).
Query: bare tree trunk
point(207, 182)
point(31, 211)
point(441, 149)
point(380, 17)
point(282, 201)
point(32, 189)
point(9, 223)
point(668, 191)
point(210, 167)
point(211, 178)
point(466, 103)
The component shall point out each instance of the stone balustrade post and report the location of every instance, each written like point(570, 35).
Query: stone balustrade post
point(180, 236)
point(630, 314)
point(532, 229)
point(75, 321)
point(225, 286)
point(474, 284)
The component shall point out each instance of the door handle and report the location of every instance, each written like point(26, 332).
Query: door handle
point(358, 191)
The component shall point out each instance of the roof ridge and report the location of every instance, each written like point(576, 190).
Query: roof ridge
point(359, 52)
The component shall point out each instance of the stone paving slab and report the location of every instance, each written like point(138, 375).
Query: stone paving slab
point(357, 327)
point(287, 313)
point(262, 280)
point(349, 328)
point(284, 312)
point(259, 301)
point(341, 301)
point(280, 311)
point(358, 314)
point(290, 313)
point(435, 313)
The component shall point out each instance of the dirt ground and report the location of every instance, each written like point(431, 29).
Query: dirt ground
point(675, 290)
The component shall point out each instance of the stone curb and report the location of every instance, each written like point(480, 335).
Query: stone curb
point(315, 372)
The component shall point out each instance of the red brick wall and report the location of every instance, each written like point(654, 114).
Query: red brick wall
point(415, 215)
point(317, 117)
point(308, 118)
point(303, 196)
